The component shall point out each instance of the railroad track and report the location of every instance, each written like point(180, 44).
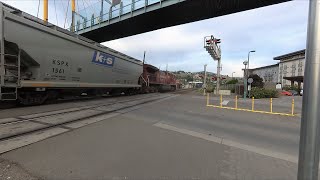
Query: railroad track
point(24, 125)
point(8, 105)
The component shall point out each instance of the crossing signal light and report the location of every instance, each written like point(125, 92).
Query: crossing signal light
point(218, 41)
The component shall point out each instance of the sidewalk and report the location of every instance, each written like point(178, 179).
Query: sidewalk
point(125, 147)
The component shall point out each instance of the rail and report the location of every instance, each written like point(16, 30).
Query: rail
point(91, 16)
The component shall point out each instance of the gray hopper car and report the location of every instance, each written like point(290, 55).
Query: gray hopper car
point(40, 61)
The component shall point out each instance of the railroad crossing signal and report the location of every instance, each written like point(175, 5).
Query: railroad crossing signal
point(211, 45)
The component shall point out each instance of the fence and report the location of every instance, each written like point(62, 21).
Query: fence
point(252, 109)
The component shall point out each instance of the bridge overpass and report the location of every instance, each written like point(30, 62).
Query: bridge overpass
point(139, 16)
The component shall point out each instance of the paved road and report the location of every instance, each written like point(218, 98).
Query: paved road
point(272, 132)
point(179, 138)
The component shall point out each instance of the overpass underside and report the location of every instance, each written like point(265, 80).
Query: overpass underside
point(165, 14)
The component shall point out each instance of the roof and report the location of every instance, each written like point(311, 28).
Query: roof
point(290, 55)
point(151, 66)
point(294, 78)
point(269, 66)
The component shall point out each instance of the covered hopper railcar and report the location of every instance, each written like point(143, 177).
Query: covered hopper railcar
point(39, 61)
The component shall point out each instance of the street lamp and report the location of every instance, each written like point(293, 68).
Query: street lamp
point(249, 56)
point(245, 63)
point(232, 74)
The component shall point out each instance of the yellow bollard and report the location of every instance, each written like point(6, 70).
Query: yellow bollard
point(252, 103)
point(236, 102)
point(220, 100)
point(292, 107)
point(271, 105)
point(207, 99)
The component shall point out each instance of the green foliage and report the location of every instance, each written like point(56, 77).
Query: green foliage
point(287, 88)
point(232, 81)
point(189, 78)
point(257, 81)
point(263, 93)
point(210, 88)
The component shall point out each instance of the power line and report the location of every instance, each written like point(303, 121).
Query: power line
point(65, 20)
point(38, 9)
point(55, 9)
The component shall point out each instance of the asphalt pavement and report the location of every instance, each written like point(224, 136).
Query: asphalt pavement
point(178, 138)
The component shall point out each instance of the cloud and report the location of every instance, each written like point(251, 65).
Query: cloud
point(271, 31)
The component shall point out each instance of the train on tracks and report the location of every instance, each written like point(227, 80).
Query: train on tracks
point(40, 61)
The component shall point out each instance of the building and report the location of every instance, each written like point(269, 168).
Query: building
point(291, 68)
point(269, 74)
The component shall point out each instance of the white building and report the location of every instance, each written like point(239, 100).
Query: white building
point(291, 68)
point(269, 73)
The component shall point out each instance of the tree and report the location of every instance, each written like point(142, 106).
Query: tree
point(232, 81)
point(189, 78)
point(257, 81)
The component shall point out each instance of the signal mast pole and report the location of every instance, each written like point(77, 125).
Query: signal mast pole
point(211, 45)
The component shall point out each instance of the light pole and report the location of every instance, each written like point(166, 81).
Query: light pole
point(245, 63)
point(310, 119)
point(232, 74)
point(249, 56)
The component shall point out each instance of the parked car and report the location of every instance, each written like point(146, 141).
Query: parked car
point(301, 92)
point(294, 92)
point(286, 93)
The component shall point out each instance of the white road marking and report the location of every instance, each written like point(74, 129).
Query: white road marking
point(225, 102)
point(20, 141)
point(219, 140)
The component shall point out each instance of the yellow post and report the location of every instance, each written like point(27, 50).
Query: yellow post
point(73, 8)
point(292, 107)
point(207, 99)
point(271, 105)
point(45, 10)
point(236, 102)
point(252, 103)
point(220, 100)
point(73, 5)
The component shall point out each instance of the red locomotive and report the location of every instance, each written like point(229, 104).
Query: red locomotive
point(155, 80)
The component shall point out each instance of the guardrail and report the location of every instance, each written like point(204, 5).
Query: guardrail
point(96, 14)
point(236, 107)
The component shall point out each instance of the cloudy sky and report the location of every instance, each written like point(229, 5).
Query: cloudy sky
point(271, 31)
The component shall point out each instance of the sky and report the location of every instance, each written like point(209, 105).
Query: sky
point(270, 31)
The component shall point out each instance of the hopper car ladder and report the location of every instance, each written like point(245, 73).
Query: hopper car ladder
point(9, 76)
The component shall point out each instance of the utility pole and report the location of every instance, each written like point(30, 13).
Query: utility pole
point(310, 120)
point(144, 57)
point(205, 80)
point(218, 76)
